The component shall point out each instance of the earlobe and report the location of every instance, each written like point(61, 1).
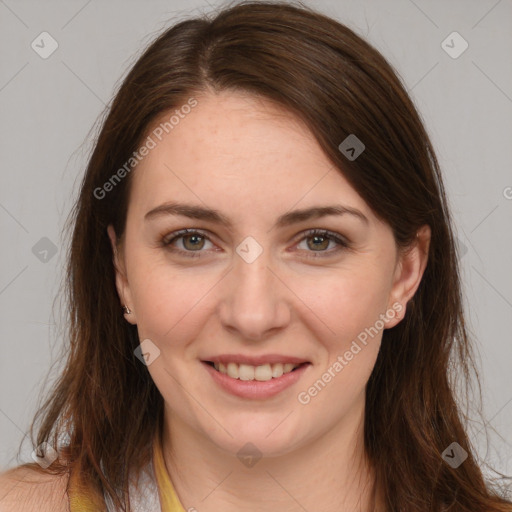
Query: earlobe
point(122, 286)
point(409, 272)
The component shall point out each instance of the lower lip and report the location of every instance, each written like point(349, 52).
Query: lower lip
point(256, 389)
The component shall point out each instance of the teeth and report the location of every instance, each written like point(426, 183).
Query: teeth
point(261, 373)
point(232, 370)
point(277, 370)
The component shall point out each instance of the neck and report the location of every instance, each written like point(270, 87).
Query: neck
point(330, 473)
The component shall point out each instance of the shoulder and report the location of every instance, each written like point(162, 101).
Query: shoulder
point(23, 489)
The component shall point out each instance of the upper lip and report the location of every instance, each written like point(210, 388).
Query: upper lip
point(255, 360)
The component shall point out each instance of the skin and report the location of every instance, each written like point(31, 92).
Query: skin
point(253, 161)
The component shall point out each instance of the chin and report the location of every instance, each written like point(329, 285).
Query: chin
point(270, 437)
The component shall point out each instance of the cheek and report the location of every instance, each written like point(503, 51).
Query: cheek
point(344, 302)
point(348, 324)
point(170, 303)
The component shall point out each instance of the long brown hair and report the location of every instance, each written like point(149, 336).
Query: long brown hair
point(321, 71)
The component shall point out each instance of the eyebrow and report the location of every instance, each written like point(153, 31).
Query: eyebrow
point(198, 212)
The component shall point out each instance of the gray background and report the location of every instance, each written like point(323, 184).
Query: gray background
point(48, 107)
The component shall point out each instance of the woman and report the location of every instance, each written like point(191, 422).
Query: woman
point(263, 285)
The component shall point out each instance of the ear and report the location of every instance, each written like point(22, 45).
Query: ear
point(411, 264)
point(123, 288)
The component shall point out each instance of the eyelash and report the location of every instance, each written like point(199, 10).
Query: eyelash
point(166, 243)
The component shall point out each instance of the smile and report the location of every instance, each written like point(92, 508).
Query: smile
point(255, 382)
point(260, 373)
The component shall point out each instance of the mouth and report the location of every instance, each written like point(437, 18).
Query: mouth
point(260, 373)
point(267, 377)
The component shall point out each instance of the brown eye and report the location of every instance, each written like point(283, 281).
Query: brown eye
point(318, 241)
point(192, 242)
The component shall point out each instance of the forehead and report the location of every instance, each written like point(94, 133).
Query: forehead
point(233, 130)
point(237, 148)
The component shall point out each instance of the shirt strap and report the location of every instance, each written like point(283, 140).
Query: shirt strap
point(168, 497)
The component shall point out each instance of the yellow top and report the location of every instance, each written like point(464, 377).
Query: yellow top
point(81, 501)
point(168, 498)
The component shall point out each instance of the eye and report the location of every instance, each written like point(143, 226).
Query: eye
point(193, 241)
point(319, 237)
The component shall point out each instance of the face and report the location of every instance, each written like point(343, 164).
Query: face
point(257, 293)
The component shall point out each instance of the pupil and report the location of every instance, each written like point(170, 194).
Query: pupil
point(317, 238)
point(195, 239)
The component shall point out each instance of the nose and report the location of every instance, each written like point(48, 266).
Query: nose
point(254, 300)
